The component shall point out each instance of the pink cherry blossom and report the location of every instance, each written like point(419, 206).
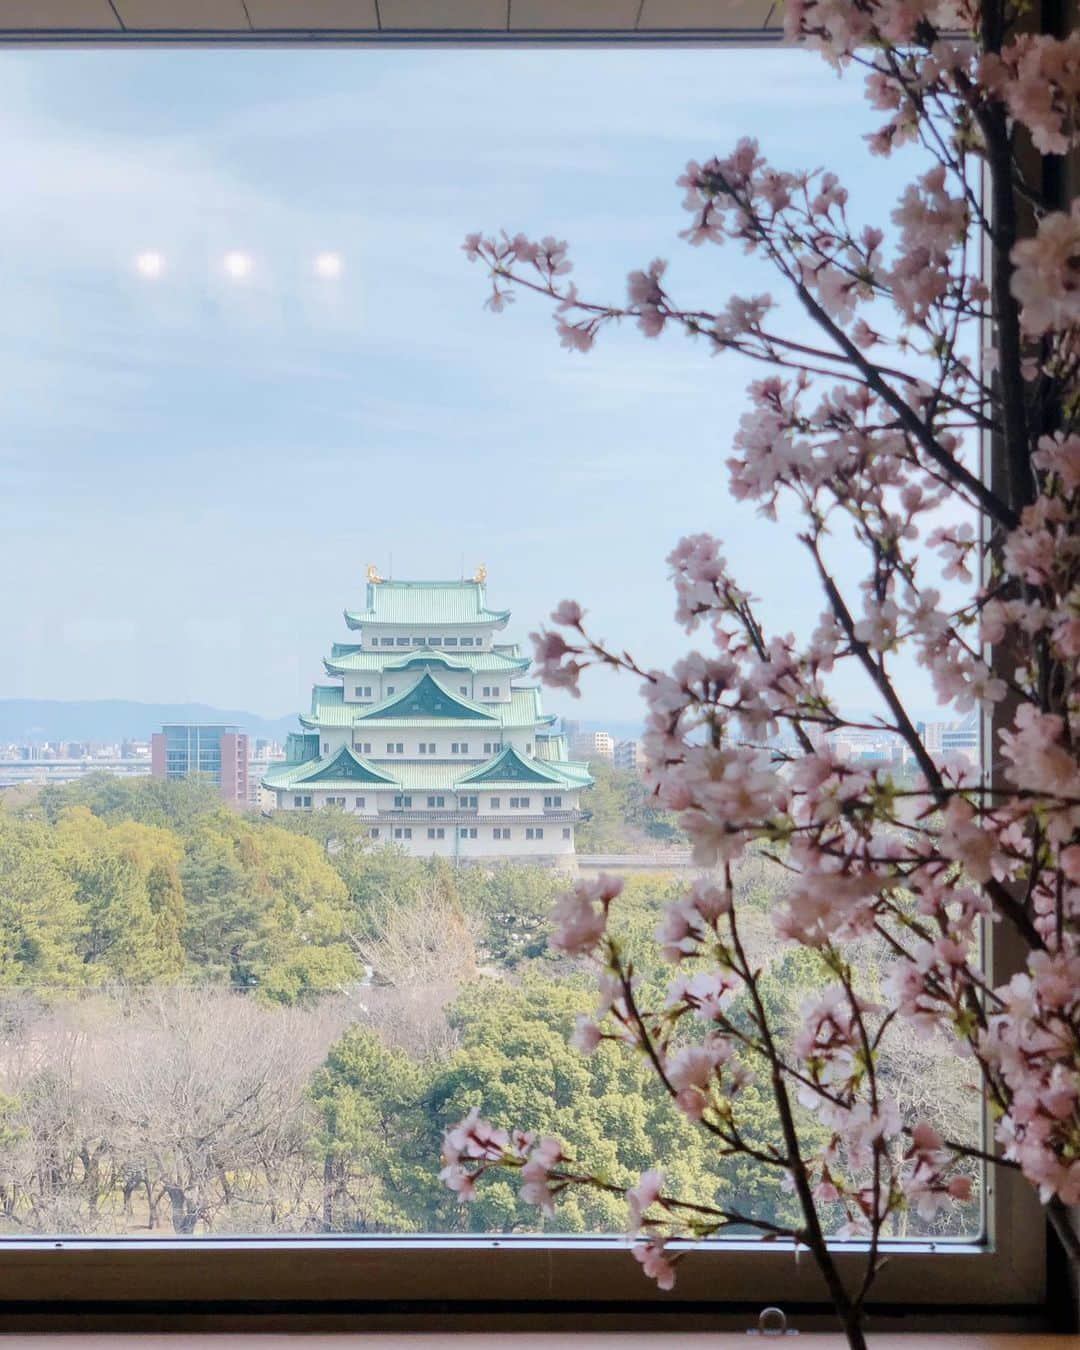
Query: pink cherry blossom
point(655, 1261)
point(645, 1193)
point(538, 1187)
point(586, 1035)
point(580, 915)
point(567, 613)
point(1046, 280)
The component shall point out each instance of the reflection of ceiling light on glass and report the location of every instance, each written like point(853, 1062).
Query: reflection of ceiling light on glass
point(328, 265)
point(150, 264)
point(237, 265)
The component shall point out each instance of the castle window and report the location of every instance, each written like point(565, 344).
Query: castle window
point(436, 833)
point(436, 801)
point(358, 803)
point(495, 803)
point(402, 642)
point(450, 642)
point(403, 832)
point(402, 802)
point(373, 833)
point(468, 803)
point(566, 832)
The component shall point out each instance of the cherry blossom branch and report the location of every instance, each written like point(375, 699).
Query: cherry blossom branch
point(918, 869)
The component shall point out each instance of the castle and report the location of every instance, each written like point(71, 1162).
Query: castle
point(426, 736)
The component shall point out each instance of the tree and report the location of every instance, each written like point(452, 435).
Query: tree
point(425, 951)
point(264, 907)
point(127, 885)
point(205, 1095)
point(167, 803)
point(624, 816)
point(514, 904)
point(57, 1155)
point(516, 1063)
point(376, 1138)
point(40, 920)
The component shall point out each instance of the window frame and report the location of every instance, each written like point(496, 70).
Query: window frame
point(1001, 1276)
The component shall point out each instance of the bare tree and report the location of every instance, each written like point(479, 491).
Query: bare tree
point(205, 1091)
point(426, 949)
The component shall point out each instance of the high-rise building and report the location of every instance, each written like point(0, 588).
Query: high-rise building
point(630, 756)
point(218, 754)
point(594, 745)
point(961, 737)
point(427, 736)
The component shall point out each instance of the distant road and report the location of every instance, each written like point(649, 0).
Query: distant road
point(636, 862)
point(14, 772)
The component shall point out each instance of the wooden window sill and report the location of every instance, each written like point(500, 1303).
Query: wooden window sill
point(530, 1340)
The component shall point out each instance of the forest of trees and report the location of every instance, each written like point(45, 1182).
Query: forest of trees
point(623, 816)
point(214, 1022)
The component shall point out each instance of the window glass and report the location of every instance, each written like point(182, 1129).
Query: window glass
point(213, 267)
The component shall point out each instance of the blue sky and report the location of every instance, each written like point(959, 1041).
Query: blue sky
point(194, 472)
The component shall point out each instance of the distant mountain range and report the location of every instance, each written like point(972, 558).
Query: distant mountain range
point(108, 720)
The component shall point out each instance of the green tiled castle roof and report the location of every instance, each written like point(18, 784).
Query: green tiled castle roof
point(346, 767)
point(550, 746)
point(346, 770)
point(426, 699)
point(329, 709)
point(418, 775)
point(510, 767)
point(345, 660)
point(427, 602)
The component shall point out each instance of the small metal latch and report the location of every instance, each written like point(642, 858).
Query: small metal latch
point(772, 1322)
